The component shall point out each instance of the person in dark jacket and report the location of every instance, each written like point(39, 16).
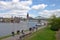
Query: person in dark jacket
point(30, 29)
point(22, 31)
point(13, 34)
point(18, 32)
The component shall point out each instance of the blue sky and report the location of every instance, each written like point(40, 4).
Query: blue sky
point(52, 4)
point(43, 8)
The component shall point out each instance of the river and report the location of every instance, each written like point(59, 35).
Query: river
point(7, 28)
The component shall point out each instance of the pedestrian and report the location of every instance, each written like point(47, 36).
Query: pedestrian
point(36, 25)
point(20, 38)
point(13, 34)
point(22, 31)
point(18, 32)
point(30, 29)
point(33, 28)
point(37, 28)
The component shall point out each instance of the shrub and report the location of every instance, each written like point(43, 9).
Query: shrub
point(55, 23)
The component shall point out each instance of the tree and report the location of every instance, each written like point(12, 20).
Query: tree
point(55, 23)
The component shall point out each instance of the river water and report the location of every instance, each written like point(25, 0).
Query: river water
point(7, 28)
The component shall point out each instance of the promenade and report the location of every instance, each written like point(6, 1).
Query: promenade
point(58, 35)
point(16, 37)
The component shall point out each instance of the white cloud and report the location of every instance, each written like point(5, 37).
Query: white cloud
point(15, 0)
point(40, 6)
point(31, 15)
point(26, 3)
point(5, 15)
point(16, 8)
point(48, 13)
point(3, 5)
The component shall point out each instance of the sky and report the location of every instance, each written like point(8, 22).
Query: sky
point(44, 8)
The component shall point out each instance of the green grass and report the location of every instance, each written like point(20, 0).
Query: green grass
point(5, 37)
point(43, 34)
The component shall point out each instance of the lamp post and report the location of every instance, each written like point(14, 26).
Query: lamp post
point(27, 20)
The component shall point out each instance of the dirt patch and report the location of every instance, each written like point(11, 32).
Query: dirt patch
point(58, 35)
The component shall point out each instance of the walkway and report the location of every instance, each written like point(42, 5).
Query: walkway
point(58, 35)
point(16, 37)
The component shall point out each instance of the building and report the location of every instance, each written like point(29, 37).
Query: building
point(10, 20)
point(16, 19)
point(1, 19)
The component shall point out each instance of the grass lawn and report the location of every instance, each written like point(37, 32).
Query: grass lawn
point(42, 34)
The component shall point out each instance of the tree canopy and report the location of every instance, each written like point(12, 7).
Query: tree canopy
point(55, 23)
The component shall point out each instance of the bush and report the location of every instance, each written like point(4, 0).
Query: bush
point(54, 28)
point(55, 23)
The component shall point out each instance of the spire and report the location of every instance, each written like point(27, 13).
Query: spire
point(27, 16)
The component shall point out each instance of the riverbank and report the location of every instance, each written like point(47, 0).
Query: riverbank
point(7, 36)
point(3, 37)
point(42, 34)
point(15, 37)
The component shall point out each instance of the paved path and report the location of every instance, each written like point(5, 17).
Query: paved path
point(58, 35)
point(16, 37)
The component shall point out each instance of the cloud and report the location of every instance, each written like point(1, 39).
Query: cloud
point(40, 6)
point(15, 0)
point(3, 5)
point(16, 8)
point(5, 15)
point(31, 15)
point(49, 13)
point(26, 3)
